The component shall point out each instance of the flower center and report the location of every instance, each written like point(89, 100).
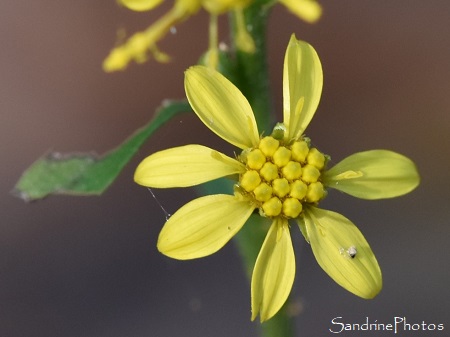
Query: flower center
point(281, 178)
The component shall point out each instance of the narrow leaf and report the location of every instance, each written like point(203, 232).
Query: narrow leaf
point(88, 173)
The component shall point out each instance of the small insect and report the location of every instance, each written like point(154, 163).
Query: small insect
point(349, 253)
point(352, 251)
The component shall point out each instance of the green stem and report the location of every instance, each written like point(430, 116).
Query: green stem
point(249, 72)
point(252, 78)
point(251, 69)
point(213, 52)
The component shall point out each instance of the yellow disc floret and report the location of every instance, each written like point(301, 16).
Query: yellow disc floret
point(263, 192)
point(292, 170)
point(310, 174)
point(315, 158)
point(280, 187)
point(300, 151)
point(292, 207)
point(298, 189)
point(269, 171)
point(281, 156)
point(272, 207)
point(250, 180)
point(315, 192)
point(256, 159)
point(282, 177)
point(268, 146)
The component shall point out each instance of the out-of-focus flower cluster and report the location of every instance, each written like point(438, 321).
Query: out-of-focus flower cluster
point(142, 45)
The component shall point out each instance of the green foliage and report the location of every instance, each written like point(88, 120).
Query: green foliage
point(88, 173)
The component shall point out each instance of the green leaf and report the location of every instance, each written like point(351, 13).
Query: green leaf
point(88, 173)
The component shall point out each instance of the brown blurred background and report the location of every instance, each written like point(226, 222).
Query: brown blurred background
point(72, 266)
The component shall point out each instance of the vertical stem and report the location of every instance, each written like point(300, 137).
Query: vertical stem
point(250, 74)
point(252, 68)
point(213, 52)
point(252, 78)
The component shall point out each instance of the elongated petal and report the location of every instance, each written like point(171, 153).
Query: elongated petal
point(308, 10)
point(203, 226)
point(221, 106)
point(222, 6)
point(185, 166)
point(274, 272)
point(374, 174)
point(302, 80)
point(140, 5)
point(334, 240)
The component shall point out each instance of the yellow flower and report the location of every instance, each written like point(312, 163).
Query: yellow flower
point(142, 44)
point(308, 10)
point(282, 176)
point(138, 46)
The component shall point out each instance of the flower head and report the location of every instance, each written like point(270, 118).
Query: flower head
point(282, 176)
point(142, 44)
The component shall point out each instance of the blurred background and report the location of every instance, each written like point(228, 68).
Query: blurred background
point(72, 266)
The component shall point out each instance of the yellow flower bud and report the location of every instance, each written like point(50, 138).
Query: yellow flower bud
point(310, 174)
point(298, 189)
point(268, 146)
point(315, 192)
point(300, 151)
point(118, 59)
point(281, 156)
point(269, 171)
point(250, 180)
point(272, 207)
point(316, 158)
point(292, 207)
point(292, 170)
point(256, 159)
point(263, 192)
point(280, 187)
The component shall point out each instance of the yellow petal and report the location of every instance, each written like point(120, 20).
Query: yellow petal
point(221, 106)
point(203, 226)
point(117, 59)
point(274, 272)
point(334, 240)
point(302, 86)
point(140, 5)
point(222, 6)
point(374, 174)
point(185, 166)
point(187, 7)
point(308, 10)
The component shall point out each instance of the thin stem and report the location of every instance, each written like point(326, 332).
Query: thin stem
point(243, 40)
point(249, 72)
point(252, 78)
point(213, 52)
point(252, 68)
